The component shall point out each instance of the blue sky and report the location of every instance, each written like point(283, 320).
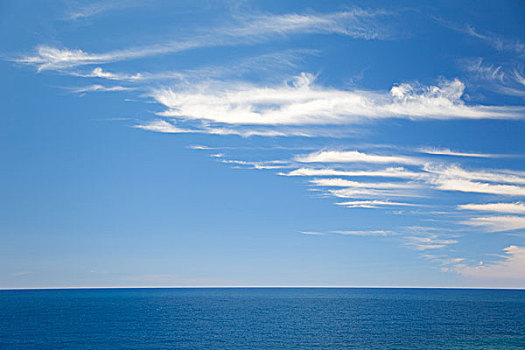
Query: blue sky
point(255, 143)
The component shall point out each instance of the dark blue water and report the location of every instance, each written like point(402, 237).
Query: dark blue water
point(263, 318)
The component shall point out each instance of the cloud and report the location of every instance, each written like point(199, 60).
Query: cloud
point(394, 172)
point(300, 102)
point(355, 23)
point(496, 78)
point(272, 164)
point(454, 184)
point(335, 182)
point(498, 42)
point(163, 126)
point(497, 223)
point(81, 11)
point(448, 152)
point(98, 72)
point(354, 157)
point(511, 208)
point(429, 242)
point(312, 233)
point(99, 88)
point(484, 71)
point(511, 267)
point(373, 204)
point(492, 175)
point(200, 147)
point(363, 192)
point(364, 233)
point(274, 62)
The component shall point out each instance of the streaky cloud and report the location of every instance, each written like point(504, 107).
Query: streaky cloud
point(511, 208)
point(364, 233)
point(392, 172)
point(449, 152)
point(428, 242)
point(100, 88)
point(512, 266)
point(357, 23)
point(373, 204)
point(301, 102)
point(336, 182)
point(355, 157)
point(497, 223)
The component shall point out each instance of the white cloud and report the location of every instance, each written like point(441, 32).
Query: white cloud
point(496, 41)
point(301, 102)
point(336, 182)
point(363, 192)
point(251, 29)
point(511, 267)
point(373, 204)
point(429, 242)
point(397, 172)
point(492, 175)
point(312, 233)
point(99, 88)
point(512, 208)
point(270, 64)
point(200, 147)
point(98, 72)
point(354, 157)
point(272, 164)
point(163, 126)
point(78, 10)
point(448, 152)
point(355, 23)
point(53, 58)
point(496, 77)
point(461, 185)
point(364, 233)
point(497, 223)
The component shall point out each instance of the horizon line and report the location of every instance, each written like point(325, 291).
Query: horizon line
point(255, 287)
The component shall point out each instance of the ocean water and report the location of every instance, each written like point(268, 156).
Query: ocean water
point(262, 318)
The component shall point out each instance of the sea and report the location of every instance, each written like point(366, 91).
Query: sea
point(262, 318)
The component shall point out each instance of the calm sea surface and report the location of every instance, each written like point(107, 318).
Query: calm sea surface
point(263, 318)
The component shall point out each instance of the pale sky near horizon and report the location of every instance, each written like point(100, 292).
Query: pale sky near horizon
point(256, 143)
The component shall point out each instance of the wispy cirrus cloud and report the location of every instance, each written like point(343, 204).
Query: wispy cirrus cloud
point(337, 182)
point(512, 266)
point(374, 204)
point(99, 72)
point(454, 171)
point(497, 223)
point(461, 185)
point(449, 152)
point(498, 42)
point(100, 88)
point(274, 62)
point(301, 102)
point(397, 172)
point(426, 177)
point(364, 233)
point(357, 23)
point(164, 126)
point(430, 241)
point(393, 172)
point(81, 10)
point(355, 157)
point(511, 208)
point(503, 79)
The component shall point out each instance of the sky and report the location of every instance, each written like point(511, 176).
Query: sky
point(262, 143)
